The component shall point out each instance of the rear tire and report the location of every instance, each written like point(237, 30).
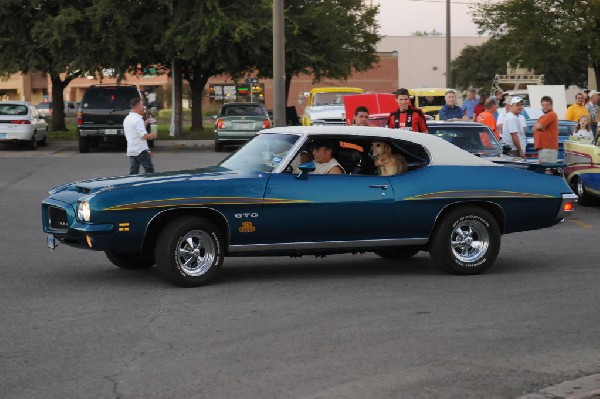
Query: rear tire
point(218, 146)
point(189, 252)
point(84, 144)
point(583, 197)
point(130, 261)
point(32, 143)
point(403, 252)
point(466, 241)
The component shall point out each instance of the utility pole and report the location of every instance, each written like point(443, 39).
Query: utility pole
point(448, 46)
point(279, 102)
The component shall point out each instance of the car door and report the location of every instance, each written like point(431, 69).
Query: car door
point(38, 123)
point(325, 208)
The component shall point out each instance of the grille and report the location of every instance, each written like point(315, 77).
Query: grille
point(57, 218)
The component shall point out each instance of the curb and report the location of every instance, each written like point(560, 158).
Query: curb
point(587, 387)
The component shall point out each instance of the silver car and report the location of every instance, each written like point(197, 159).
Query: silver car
point(21, 122)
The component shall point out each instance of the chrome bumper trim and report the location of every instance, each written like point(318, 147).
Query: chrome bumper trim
point(360, 244)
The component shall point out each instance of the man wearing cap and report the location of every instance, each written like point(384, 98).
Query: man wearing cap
point(487, 116)
point(545, 133)
point(324, 160)
point(577, 110)
point(513, 130)
point(592, 108)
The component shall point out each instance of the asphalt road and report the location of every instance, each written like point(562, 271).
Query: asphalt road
point(74, 326)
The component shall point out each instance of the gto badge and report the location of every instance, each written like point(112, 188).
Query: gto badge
point(246, 215)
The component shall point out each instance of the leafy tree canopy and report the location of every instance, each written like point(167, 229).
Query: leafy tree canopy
point(476, 66)
point(557, 38)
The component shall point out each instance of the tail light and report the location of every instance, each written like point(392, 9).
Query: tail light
point(568, 207)
point(80, 118)
point(220, 124)
point(21, 122)
point(266, 124)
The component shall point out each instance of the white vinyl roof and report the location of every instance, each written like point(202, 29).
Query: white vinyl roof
point(440, 151)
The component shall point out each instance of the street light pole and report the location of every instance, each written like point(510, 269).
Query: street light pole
point(279, 102)
point(448, 46)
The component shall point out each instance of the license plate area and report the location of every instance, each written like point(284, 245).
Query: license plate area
point(111, 131)
point(243, 126)
point(3, 135)
point(51, 242)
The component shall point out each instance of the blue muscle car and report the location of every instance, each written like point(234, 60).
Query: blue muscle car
point(264, 200)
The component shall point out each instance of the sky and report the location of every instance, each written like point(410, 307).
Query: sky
point(403, 17)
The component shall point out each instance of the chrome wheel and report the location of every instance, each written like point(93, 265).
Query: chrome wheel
point(580, 188)
point(470, 241)
point(195, 253)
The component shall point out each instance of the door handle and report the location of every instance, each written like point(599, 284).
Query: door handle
point(381, 186)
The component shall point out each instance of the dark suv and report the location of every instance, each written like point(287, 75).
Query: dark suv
point(101, 114)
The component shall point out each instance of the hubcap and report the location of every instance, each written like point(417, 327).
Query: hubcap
point(195, 253)
point(580, 188)
point(470, 241)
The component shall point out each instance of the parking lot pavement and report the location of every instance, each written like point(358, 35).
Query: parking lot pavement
point(67, 148)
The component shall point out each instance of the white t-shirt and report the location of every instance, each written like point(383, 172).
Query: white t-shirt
point(514, 124)
point(584, 135)
point(135, 128)
point(324, 168)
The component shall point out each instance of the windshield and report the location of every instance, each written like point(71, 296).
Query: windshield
point(243, 110)
point(331, 98)
point(431, 101)
point(263, 153)
point(475, 139)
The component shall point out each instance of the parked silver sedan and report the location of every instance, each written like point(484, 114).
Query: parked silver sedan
point(21, 122)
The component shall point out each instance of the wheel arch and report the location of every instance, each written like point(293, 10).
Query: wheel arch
point(493, 208)
point(160, 220)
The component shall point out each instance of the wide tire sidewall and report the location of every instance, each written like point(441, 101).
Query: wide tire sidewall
point(441, 248)
point(166, 246)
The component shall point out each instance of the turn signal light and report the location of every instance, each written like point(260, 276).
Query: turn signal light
point(266, 124)
point(89, 240)
point(568, 207)
point(220, 124)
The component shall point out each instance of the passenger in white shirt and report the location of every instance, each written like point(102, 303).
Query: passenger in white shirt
point(137, 139)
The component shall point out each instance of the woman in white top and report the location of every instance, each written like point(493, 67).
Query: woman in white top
point(583, 130)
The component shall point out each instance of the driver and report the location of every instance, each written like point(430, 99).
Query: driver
point(324, 160)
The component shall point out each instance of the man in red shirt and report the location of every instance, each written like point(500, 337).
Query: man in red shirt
point(407, 116)
point(545, 133)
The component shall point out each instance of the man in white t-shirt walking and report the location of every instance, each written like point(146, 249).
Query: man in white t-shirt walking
point(137, 138)
point(513, 131)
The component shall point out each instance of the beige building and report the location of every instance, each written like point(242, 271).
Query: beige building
point(422, 59)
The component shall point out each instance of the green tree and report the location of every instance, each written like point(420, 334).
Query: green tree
point(555, 37)
point(207, 38)
point(324, 38)
point(477, 65)
point(68, 38)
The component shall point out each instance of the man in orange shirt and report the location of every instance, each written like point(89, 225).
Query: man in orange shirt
point(545, 133)
point(487, 116)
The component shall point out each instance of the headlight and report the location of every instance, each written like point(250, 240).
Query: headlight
point(83, 211)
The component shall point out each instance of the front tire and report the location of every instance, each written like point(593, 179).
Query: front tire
point(189, 252)
point(466, 241)
point(130, 261)
point(403, 252)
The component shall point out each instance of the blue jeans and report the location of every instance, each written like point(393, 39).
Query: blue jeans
point(143, 159)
